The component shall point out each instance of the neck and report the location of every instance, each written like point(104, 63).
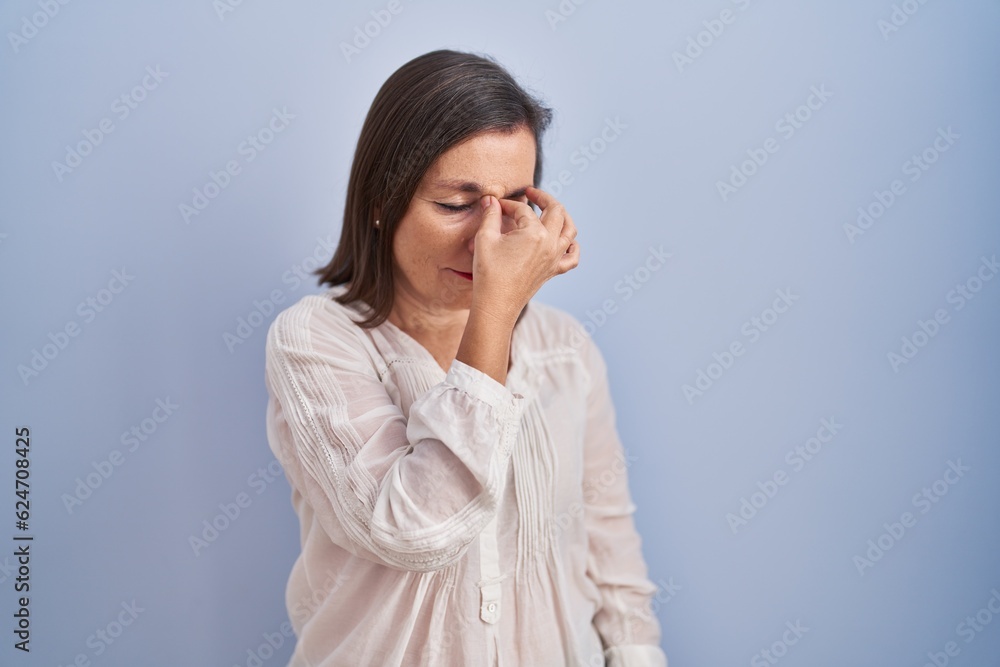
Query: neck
point(420, 320)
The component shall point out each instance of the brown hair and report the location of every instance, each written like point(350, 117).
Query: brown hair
point(425, 107)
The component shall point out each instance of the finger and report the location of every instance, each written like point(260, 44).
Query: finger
point(571, 259)
point(540, 197)
point(491, 217)
point(554, 217)
point(569, 227)
point(567, 246)
point(519, 211)
point(567, 234)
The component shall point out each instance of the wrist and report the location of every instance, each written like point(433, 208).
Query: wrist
point(494, 311)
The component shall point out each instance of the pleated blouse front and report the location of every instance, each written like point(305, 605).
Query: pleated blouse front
point(446, 519)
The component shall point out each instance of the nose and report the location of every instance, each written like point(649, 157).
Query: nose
point(506, 225)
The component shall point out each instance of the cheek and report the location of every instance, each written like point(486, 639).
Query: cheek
point(427, 247)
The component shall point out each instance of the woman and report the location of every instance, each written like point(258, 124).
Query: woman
point(452, 451)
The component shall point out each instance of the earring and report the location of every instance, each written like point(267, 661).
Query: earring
point(377, 223)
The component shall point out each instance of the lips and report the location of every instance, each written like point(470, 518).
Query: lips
point(467, 276)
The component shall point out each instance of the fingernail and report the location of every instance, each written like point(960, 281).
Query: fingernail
point(486, 201)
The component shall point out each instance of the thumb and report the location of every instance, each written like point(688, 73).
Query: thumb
point(492, 216)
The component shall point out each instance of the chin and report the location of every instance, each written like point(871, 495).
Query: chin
point(453, 294)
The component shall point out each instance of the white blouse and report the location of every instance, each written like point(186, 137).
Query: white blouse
point(449, 520)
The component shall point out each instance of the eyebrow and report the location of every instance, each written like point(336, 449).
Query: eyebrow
point(475, 188)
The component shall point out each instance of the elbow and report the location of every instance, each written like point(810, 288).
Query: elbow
point(422, 560)
point(418, 541)
point(428, 549)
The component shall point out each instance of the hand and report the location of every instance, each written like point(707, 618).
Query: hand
point(509, 268)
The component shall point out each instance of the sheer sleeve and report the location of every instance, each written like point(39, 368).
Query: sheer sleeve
point(411, 493)
point(628, 628)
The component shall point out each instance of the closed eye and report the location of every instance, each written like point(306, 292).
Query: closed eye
point(454, 209)
point(465, 207)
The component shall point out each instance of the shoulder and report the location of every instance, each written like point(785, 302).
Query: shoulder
point(314, 318)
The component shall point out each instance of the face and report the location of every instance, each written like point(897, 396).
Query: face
point(436, 237)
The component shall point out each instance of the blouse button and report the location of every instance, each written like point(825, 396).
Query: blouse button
point(492, 607)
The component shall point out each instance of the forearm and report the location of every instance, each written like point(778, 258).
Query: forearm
point(410, 491)
point(486, 342)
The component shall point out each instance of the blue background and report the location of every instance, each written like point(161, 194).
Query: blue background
point(165, 331)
